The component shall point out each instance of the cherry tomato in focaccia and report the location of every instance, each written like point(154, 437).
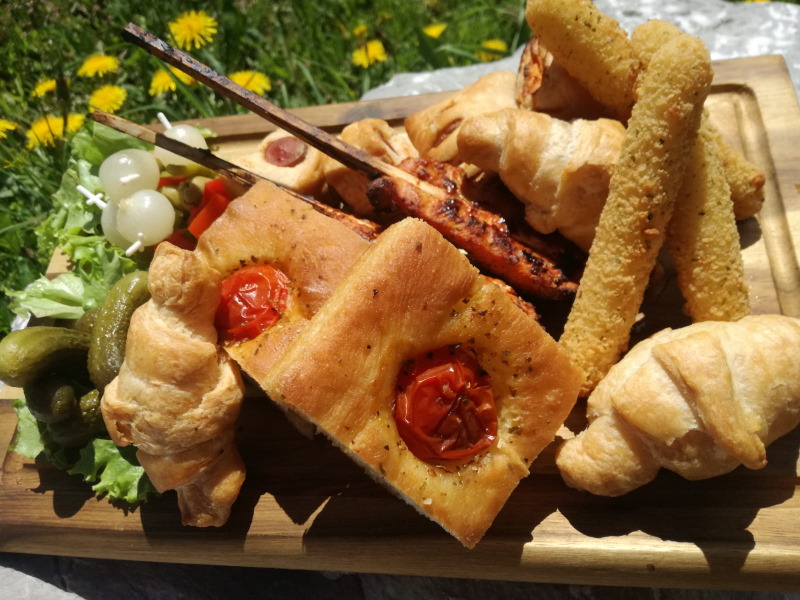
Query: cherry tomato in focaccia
point(444, 407)
point(252, 300)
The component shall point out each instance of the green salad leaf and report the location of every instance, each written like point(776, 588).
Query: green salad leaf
point(28, 441)
point(114, 471)
point(65, 297)
point(74, 227)
point(95, 142)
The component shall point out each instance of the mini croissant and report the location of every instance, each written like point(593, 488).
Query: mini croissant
point(559, 169)
point(177, 396)
point(698, 401)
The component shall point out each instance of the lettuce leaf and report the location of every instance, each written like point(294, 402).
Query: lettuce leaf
point(65, 297)
point(114, 471)
point(27, 441)
point(95, 142)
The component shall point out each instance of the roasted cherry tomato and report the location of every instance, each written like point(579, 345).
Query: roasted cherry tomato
point(444, 406)
point(252, 300)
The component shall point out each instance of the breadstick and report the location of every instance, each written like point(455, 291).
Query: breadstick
point(745, 180)
point(660, 135)
point(702, 235)
point(591, 46)
point(648, 37)
point(703, 238)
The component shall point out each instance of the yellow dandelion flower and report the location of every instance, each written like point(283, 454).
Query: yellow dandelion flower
point(256, 82)
point(98, 65)
point(75, 121)
point(182, 77)
point(193, 28)
point(372, 52)
point(495, 47)
point(44, 131)
point(434, 30)
point(6, 125)
point(108, 98)
point(360, 30)
point(162, 82)
point(43, 87)
point(47, 129)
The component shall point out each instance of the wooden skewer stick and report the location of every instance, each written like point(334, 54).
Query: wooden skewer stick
point(337, 149)
point(366, 229)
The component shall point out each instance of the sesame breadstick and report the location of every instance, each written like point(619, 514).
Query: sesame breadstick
point(643, 189)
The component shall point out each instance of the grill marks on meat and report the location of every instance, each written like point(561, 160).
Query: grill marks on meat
point(483, 234)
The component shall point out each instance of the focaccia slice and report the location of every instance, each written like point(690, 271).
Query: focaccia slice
point(267, 225)
point(413, 292)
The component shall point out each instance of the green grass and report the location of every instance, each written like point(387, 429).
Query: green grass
point(304, 47)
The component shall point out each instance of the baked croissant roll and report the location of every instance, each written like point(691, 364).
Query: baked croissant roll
point(433, 130)
point(177, 396)
point(559, 169)
point(699, 401)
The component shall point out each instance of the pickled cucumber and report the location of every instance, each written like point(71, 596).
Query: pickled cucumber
point(85, 423)
point(86, 321)
point(28, 353)
point(53, 397)
point(110, 330)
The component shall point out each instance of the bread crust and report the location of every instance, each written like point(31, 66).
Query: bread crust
point(560, 170)
point(177, 396)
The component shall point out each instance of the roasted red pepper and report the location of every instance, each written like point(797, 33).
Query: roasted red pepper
point(215, 201)
point(444, 406)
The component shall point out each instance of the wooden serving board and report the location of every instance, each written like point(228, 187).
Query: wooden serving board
point(306, 506)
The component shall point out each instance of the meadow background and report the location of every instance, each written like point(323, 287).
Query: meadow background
point(298, 53)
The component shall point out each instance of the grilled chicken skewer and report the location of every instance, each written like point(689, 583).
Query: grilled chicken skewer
point(483, 234)
point(489, 245)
